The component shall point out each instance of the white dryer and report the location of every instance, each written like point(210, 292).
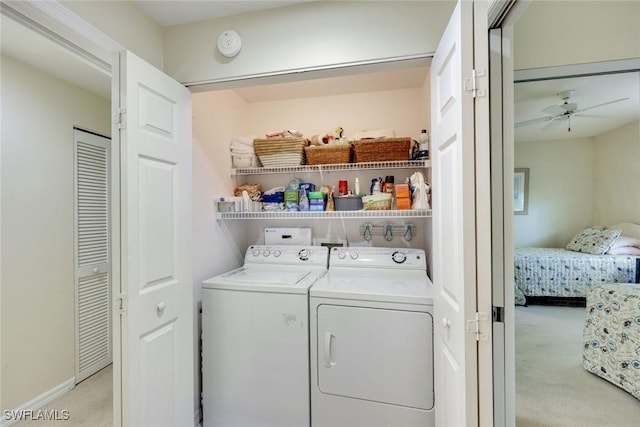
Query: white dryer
point(255, 338)
point(371, 319)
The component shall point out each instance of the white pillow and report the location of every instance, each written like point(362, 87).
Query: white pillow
point(624, 250)
point(623, 241)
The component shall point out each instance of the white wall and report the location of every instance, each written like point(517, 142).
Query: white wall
point(561, 191)
point(38, 115)
point(125, 23)
point(553, 33)
point(306, 36)
point(617, 175)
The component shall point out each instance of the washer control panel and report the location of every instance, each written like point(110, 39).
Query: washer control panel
point(366, 257)
point(295, 255)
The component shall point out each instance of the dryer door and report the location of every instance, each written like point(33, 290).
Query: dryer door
point(376, 354)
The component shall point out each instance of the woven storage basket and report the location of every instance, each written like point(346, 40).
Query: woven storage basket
point(328, 154)
point(381, 149)
point(275, 152)
point(377, 202)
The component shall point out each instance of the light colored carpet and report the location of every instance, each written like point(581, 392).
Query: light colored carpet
point(552, 388)
point(89, 404)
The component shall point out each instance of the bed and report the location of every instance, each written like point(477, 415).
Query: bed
point(595, 256)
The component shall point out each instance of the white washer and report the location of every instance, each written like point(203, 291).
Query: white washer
point(371, 320)
point(255, 338)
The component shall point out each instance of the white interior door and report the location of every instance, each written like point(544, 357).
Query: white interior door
point(157, 342)
point(92, 254)
point(454, 229)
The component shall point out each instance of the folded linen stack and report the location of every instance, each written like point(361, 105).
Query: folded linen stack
point(242, 152)
point(273, 200)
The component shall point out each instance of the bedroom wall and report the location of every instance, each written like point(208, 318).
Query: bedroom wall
point(561, 191)
point(616, 175)
point(38, 338)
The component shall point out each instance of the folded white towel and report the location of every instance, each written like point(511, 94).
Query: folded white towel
point(274, 190)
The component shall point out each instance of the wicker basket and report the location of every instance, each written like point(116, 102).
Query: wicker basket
point(328, 154)
point(382, 149)
point(277, 152)
point(377, 202)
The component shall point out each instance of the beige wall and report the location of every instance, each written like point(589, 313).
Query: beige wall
point(554, 33)
point(125, 23)
point(578, 183)
point(306, 36)
point(617, 175)
point(560, 191)
point(38, 115)
point(221, 115)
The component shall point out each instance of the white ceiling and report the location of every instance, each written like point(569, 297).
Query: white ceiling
point(172, 12)
point(532, 97)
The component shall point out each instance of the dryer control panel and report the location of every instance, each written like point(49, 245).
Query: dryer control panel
point(387, 258)
point(287, 255)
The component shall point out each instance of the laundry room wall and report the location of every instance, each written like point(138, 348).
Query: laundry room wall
point(38, 115)
point(221, 115)
point(306, 36)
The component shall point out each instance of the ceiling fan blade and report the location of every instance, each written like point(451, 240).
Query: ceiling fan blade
point(555, 110)
point(591, 116)
point(601, 105)
point(534, 121)
point(553, 124)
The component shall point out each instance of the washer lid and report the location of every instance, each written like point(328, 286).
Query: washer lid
point(411, 287)
point(266, 278)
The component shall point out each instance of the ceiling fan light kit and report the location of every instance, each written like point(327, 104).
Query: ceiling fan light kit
point(563, 111)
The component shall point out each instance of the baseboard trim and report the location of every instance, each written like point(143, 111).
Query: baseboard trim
point(40, 401)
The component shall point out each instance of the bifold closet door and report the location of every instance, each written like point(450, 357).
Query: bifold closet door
point(92, 254)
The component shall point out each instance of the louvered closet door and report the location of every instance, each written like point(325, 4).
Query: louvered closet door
point(93, 282)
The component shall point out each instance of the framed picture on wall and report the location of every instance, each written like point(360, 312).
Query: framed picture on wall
point(521, 191)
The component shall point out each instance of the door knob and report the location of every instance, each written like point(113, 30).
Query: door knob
point(160, 308)
point(446, 323)
point(95, 269)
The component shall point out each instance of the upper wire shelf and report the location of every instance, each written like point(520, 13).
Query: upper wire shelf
point(420, 213)
point(408, 164)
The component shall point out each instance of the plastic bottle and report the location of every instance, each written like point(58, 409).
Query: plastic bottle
point(423, 145)
point(356, 186)
point(303, 200)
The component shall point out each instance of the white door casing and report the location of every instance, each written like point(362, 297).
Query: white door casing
point(157, 319)
point(454, 228)
point(92, 254)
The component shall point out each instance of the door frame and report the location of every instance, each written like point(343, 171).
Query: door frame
point(55, 21)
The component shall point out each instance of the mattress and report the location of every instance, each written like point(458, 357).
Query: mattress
point(553, 272)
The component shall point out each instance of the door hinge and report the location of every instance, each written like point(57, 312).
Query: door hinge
point(473, 326)
point(120, 118)
point(121, 303)
point(471, 83)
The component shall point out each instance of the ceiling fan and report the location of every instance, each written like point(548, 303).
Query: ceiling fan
point(563, 112)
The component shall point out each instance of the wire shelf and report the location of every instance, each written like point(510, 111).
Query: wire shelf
point(335, 167)
point(419, 213)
